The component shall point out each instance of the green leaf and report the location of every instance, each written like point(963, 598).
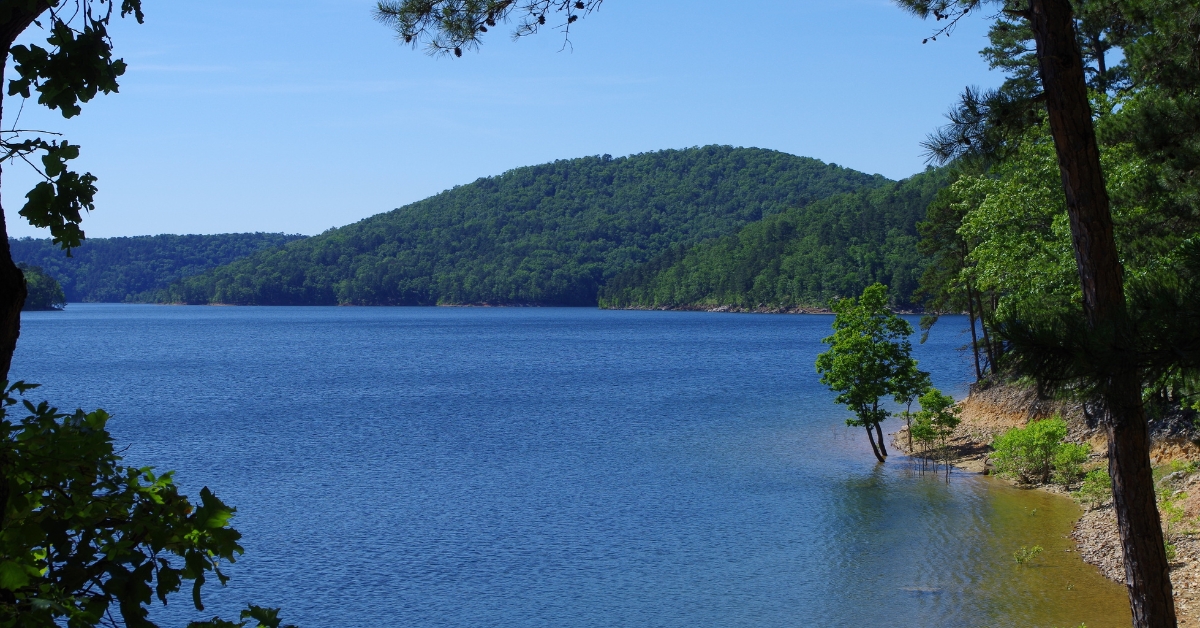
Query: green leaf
point(12, 576)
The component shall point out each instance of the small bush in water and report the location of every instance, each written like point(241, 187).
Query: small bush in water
point(1034, 453)
point(1026, 554)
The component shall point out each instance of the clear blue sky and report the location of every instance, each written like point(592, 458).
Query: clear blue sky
point(300, 115)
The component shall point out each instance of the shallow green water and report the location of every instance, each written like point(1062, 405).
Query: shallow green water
point(1056, 588)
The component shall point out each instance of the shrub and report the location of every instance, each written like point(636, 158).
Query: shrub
point(1096, 488)
point(1026, 554)
point(1068, 462)
point(1030, 453)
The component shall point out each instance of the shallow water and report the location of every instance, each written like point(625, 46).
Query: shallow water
point(547, 467)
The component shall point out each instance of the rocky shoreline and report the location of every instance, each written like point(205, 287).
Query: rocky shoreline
point(988, 412)
point(735, 309)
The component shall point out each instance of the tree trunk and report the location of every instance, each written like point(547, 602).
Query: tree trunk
point(987, 338)
point(12, 281)
point(12, 299)
point(1060, 64)
point(874, 449)
point(908, 424)
point(882, 449)
point(974, 336)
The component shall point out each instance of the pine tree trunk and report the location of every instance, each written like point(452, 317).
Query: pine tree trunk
point(1061, 67)
point(987, 339)
point(974, 337)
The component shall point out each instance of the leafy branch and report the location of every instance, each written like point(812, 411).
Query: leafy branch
point(450, 26)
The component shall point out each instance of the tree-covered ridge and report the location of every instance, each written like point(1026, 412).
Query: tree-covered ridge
point(806, 256)
point(126, 269)
point(549, 234)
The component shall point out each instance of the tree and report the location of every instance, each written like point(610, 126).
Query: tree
point(77, 65)
point(907, 385)
point(936, 421)
point(44, 293)
point(869, 354)
point(84, 539)
point(1064, 93)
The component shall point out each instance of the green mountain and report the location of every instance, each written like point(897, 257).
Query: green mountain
point(800, 258)
point(126, 269)
point(549, 234)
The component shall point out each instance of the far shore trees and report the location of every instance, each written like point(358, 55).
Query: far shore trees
point(869, 359)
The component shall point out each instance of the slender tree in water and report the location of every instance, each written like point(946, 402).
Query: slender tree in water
point(909, 383)
point(869, 353)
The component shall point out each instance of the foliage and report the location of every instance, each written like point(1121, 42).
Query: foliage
point(938, 418)
point(549, 234)
point(868, 349)
point(449, 26)
point(1069, 461)
point(933, 425)
point(1096, 488)
point(84, 537)
point(113, 270)
point(1027, 554)
point(806, 256)
point(76, 66)
point(44, 293)
point(1030, 453)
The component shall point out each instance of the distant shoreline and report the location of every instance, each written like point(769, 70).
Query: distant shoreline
point(723, 309)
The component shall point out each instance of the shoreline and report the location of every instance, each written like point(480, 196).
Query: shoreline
point(988, 412)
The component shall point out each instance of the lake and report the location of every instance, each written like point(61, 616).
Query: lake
point(555, 467)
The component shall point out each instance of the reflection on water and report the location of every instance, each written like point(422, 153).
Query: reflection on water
point(548, 467)
point(946, 553)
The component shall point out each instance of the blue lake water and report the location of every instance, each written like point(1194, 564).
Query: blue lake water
point(554, 467)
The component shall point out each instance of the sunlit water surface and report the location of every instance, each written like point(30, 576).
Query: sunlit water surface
point(555, 467)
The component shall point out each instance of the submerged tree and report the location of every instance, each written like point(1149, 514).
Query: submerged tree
point(936, 421)
point(907, 385)
point(868, 350)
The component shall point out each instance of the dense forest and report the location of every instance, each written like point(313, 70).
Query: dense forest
point(43, 292)
point(129, 269)
point(805, 256)
point(549, 234)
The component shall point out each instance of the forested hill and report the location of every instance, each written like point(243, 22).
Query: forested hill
point(549, 234)
point(127, 269)
point(803, 257)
